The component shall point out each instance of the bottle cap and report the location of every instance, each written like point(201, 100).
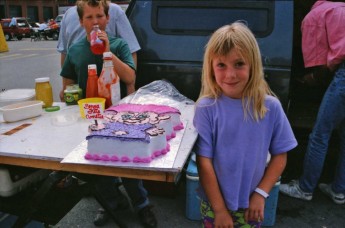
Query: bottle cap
point(45, 79)
point(107, 54)
point(92, 67)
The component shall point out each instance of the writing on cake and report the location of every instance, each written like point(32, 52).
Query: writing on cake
point(133, 133)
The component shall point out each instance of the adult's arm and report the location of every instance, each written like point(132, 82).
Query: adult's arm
point(65, 82)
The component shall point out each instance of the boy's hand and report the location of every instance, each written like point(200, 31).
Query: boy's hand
point(102, 35)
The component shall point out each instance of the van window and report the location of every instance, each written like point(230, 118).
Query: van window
point(170, 18)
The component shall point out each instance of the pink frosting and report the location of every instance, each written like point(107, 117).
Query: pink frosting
point(178, 127)
point(136, 159)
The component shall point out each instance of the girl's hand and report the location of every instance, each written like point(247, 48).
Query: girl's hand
point(102, 35)
point(223, 219)
point(255, 212)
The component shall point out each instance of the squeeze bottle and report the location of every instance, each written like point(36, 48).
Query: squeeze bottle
point(92, 81)
point(109, 82)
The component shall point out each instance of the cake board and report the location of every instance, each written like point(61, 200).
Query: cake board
point(161, 163)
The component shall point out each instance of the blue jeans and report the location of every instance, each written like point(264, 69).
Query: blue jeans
point(330, 116)
point(106, 188)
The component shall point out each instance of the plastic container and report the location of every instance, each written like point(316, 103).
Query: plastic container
point(9, 187)
point(21, 111)
point(92, 81)
point(97, 46)
point(92, 108)
point(44, 91)
point(13, 96)
point(271, 206)
point(192, 199)
point(72, 94)
point(109, 82)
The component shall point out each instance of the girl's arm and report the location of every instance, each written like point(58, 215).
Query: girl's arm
point(208, 180)
point(273, 171)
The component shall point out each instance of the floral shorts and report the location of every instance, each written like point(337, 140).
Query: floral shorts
point(237, 217)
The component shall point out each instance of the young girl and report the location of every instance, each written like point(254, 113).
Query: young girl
point(239, 121)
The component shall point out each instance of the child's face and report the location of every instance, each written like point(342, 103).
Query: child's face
point(231, 73)
point(94, 16)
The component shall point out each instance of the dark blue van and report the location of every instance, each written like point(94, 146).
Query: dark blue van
point(172, 36)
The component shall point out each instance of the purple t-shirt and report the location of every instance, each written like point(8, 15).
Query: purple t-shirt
point(239, 146)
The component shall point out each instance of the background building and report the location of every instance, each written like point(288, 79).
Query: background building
point(37, 10)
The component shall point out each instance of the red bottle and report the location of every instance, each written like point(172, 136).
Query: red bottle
point(92, 81)
point(97, 46)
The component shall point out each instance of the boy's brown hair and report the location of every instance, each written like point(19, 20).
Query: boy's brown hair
point(93, 3)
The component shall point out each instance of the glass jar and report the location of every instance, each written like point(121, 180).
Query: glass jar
point(44, 91)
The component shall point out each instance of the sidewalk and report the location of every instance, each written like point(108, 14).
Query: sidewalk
point(170, 212)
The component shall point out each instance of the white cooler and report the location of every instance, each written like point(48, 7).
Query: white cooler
point(11, 184)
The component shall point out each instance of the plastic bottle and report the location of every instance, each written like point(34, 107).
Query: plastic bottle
point(97, 46)
point(44, 91)
point(109, 82)
point(92, 81)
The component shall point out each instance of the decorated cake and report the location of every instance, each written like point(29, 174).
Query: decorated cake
point(133, 133)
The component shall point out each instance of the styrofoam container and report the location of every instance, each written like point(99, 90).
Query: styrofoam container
point(22, 110)
point(8, 187)
point(13, 96)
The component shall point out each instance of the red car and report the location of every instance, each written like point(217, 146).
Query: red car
point(20, 30)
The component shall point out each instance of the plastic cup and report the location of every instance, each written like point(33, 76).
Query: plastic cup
point(91, 108)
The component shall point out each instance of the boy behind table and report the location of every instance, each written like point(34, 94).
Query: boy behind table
point(79, 56)
point(74, 70)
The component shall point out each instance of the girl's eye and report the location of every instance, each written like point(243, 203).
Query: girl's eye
point(240, 64)
point(220, 65)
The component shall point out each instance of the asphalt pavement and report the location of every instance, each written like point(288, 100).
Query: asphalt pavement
point(27, 60)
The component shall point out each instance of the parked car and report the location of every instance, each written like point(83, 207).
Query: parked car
point(20, 30)
point(58, 19)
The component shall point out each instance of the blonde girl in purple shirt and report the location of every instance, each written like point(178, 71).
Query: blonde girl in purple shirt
point(239, 121)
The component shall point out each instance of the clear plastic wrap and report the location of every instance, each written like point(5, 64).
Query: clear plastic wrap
point(159, 92)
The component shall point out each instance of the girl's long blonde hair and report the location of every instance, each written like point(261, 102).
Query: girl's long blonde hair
point(237, 36)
